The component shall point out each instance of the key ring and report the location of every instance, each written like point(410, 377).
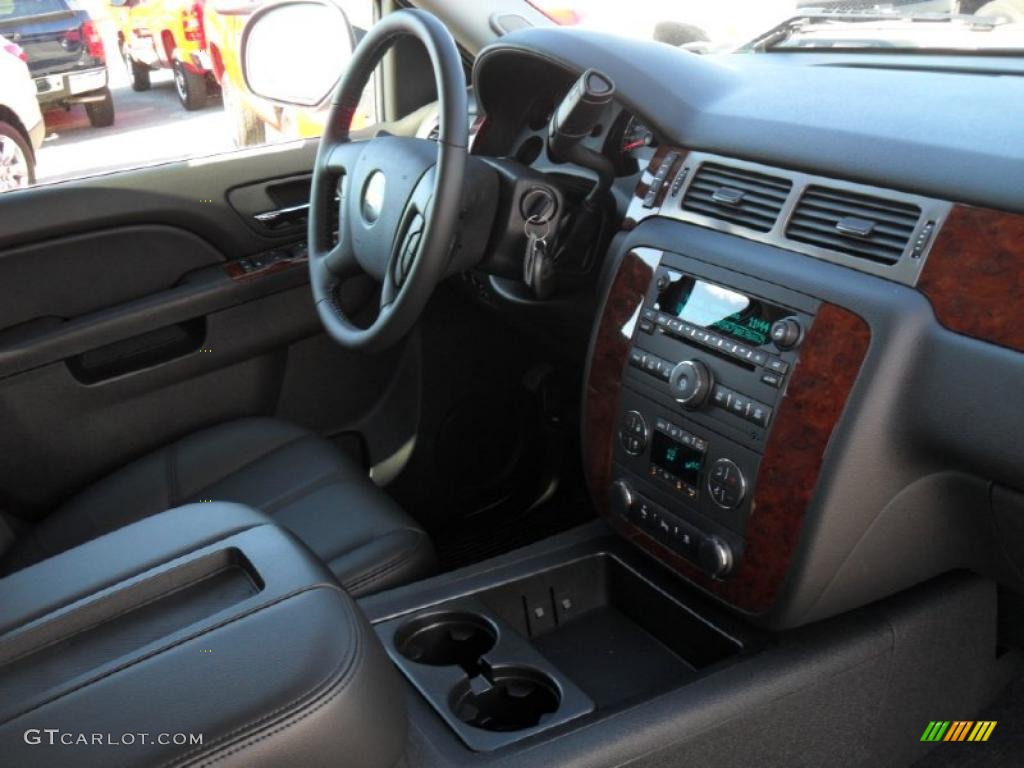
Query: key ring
point(536, 220)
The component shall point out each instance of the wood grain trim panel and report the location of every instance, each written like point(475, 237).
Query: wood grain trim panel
point(235, 271)
point(831, 358)
point(974, 276)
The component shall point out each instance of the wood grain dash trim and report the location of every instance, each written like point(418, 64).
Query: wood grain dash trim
point(974, 276)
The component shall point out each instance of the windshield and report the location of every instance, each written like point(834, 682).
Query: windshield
point(769, 25)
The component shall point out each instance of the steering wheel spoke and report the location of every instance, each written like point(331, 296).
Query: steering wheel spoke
point(342, 159)
point(341, 262)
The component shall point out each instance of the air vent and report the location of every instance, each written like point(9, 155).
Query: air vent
point(742, 197)
point(858, 225)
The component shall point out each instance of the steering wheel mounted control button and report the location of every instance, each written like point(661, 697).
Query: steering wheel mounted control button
point(691, 382)
point(726, 484)
point(787, 333)
point(633, 433)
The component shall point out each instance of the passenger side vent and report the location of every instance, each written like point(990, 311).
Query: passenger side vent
point(858, 225)
point(738, 196)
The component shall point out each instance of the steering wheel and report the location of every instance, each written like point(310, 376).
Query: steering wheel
point(397, 199)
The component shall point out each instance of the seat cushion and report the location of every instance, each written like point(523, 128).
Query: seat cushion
point(303, 481)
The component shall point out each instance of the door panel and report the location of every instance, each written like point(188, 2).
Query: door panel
point(126, 324)
point(95, 271)
point(189, 195)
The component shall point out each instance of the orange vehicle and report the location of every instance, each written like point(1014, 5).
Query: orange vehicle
point(249, 116)
point(166, 34)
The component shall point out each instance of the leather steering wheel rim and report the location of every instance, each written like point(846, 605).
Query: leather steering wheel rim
point(342, 167)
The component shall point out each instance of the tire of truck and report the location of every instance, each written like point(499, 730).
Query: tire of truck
point(101, 113)
point(247, 129)
point(138, 73)
point(191, 87)
point(17, 164)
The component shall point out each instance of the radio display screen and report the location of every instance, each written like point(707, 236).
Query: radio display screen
point(719, 309)
point(682, 461)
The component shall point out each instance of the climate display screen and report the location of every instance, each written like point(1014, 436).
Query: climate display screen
point(680, 460)
point(719, 309)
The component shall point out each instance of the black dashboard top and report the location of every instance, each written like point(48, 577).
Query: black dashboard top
point(875, 124)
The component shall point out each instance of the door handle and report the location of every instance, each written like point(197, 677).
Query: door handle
point(281, 216)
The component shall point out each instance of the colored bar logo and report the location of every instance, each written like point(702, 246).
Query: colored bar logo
point(958, 730)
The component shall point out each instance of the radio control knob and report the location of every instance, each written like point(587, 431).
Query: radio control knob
point(691, 382)
point(623, 498)
point(715, 557)
point(787, 333)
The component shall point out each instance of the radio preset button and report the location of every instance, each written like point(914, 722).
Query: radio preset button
point(721, 397)
point(778, 365)
point(772, 379)
point(760, 414)
point(739, 405)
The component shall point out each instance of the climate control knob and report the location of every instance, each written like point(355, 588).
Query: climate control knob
point(715, 557)
point(690, 383)
point(623, 498)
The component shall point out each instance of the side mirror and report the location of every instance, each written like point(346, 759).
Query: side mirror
point(294, 52)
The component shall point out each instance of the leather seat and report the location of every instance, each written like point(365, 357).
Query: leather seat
point(302, 481)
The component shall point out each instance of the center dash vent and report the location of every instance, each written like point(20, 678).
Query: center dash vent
point(738, 196)
point(859, 225)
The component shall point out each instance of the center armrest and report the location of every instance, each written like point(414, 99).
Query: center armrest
point(206, 620)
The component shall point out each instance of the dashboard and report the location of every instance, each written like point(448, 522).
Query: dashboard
point(804, 352)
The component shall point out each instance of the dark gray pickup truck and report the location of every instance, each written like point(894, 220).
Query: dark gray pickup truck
point(65, 54)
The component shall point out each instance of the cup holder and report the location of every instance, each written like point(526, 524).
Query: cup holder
point(447, 640)
point(510, 698)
